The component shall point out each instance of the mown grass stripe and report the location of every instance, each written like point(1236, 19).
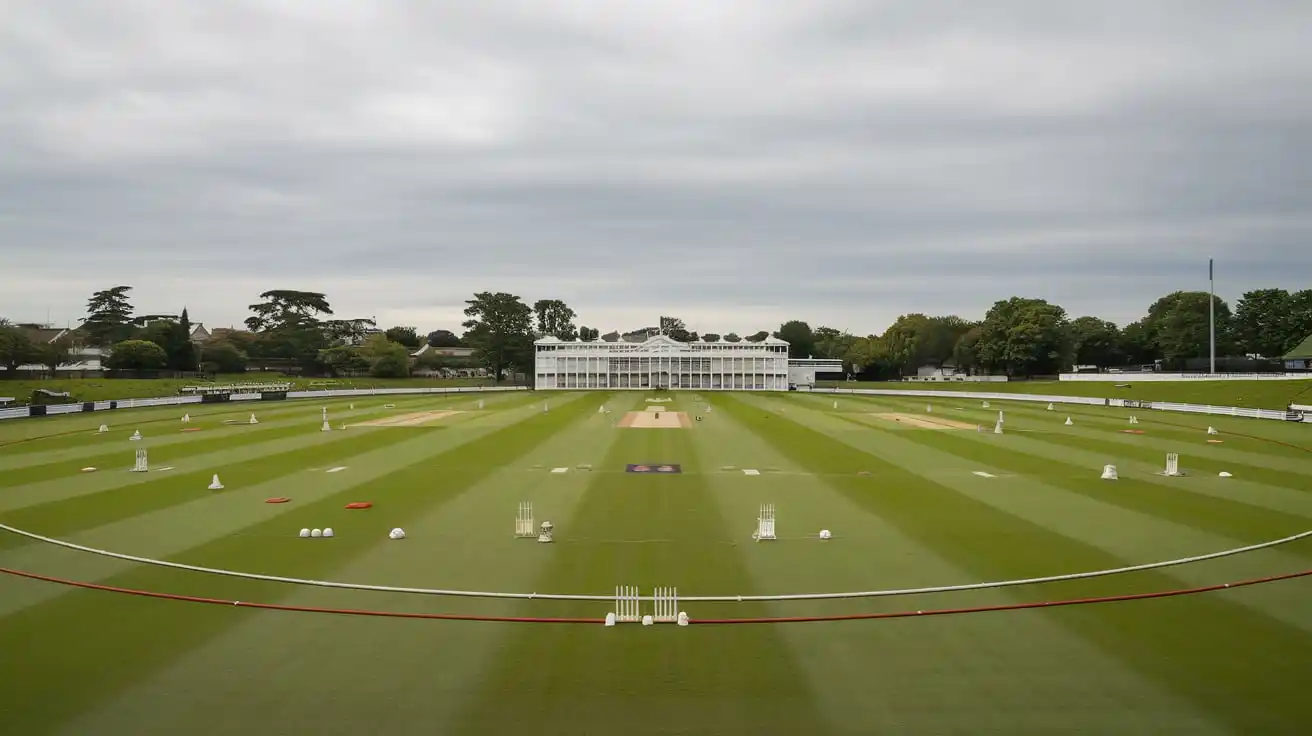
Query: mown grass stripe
point(61, 682)
point(614, 670)
point(1160, 639)
point(1226, 517)
point(66, 516)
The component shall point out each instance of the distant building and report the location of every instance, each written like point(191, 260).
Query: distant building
point(1300, 358)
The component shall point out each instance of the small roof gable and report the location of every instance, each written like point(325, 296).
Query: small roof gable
point(1302, 352)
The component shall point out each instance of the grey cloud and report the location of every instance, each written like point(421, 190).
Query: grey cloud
point(739, 164)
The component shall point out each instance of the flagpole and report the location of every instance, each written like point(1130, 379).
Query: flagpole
point(1211, 313)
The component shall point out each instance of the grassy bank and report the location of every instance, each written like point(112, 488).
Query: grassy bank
point(1252, 394)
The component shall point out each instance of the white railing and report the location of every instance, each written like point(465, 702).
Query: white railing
point(1232, 411)
point(76, 408)
point(1154, 376)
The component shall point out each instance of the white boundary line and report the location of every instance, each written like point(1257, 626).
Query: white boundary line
point(700, 599)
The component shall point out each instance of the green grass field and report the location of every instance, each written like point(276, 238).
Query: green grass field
point(905, 505)
point(106, 389)
point(1251, 394)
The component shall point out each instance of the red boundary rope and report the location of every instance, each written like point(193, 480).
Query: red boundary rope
point(761, 620)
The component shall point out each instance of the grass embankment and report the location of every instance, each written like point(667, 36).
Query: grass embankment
point(1250, 394)
point(102, 389)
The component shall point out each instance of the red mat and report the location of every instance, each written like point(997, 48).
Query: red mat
point(359, 505)
point(281, 499)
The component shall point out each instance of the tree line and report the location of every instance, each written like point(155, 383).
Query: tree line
point(1019, 336)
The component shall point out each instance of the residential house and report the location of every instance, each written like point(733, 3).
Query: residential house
point(86, 360)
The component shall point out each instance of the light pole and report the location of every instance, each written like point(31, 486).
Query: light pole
point(1211, 314)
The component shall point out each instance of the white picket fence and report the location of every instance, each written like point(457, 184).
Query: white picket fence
point(76, 408)
point(1231, 411)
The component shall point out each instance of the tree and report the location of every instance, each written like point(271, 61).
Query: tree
point(611, 336)
point(555, 318)
point(1300, 318)
point(1025, 336)
point(869, 356)
point(57, 353)
point(1136, 344)
point(905, 340)
point(16, 348)
point(675, 329)
point(963, 352)
point(800, 339)
point(387, 359)
point(589, 334)
point(939, 337)
point(344, 360)
point(182, 352)
point(346, 331)
point(443, 339)
point(1264, 322)
point(500, 327)
point(732, 337)
point(1096, 342)
point(285, 308)
point(1178, 324)
point(222, 357)
point(832, 343)
point(109, 316)
point(137, 355)
point(710, 337)
point(407, 336)
point(757, 336)
point(288, 325)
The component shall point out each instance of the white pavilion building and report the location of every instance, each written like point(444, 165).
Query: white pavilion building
point(661, 362)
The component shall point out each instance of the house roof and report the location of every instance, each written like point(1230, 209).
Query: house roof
point(1302, 352)
point(653, 340)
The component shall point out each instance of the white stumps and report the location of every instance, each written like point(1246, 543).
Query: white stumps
point(253, 420)
point(825, 534)
point(103, 428)
point(136, 435)
point(627, 604)
point(524, 521)
point(997, 428)
point(1212, 430)
point(1109, 472)
point(1134, 419)
point(186, 419)
point(628, 607)
point(1172, 465)
point(326, 427)
point(142, 465)
point(666, 605)
point(765, 523)
point(397, 533)
point(1050, 407)
point(215, 485)
point(1069, 423)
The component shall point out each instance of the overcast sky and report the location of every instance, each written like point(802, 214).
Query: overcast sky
point(736, 164)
